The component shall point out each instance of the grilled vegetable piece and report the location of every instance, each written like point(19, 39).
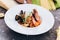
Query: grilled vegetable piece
point(1, 15)
point(45, 4)
point(52, 4)
point(29, 1)
point(20, 1)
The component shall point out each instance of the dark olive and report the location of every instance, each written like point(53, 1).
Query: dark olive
point(21, 20)
point(28, 26)
point(17, 17)
point(21, 12)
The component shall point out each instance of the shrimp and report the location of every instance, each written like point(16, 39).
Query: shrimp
point(36, 23)
point(36, 19)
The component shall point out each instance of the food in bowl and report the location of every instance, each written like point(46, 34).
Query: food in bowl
point(31, 20)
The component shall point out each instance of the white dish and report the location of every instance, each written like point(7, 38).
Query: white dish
point(46, 16)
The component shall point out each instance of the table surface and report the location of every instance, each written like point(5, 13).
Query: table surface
point(8, 34)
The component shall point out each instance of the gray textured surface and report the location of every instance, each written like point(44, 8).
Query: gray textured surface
point(8, 34)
